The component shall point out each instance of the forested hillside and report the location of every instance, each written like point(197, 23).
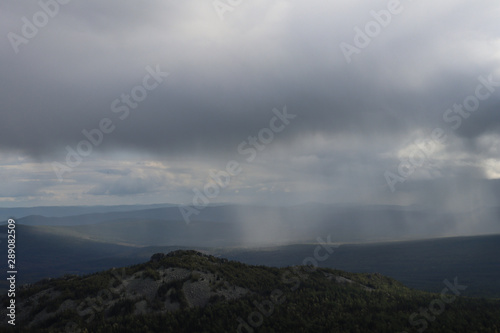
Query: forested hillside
point(187, 291)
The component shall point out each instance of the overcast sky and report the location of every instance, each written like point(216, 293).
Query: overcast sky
point(353, 85)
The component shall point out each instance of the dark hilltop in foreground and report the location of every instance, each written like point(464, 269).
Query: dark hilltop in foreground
point(187, 291)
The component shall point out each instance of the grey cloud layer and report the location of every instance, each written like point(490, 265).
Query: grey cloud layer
point(224, 83)
point(226, 77)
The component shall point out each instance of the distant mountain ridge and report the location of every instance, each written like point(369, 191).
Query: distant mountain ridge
point(260, 224)
point(61, 211)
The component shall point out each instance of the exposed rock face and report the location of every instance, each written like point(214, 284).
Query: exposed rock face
point(147, 290)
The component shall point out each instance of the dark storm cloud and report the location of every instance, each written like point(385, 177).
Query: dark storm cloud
point(354, 120)
point(224, 83)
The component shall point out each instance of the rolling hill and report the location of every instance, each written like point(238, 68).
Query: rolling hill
point(187, 291)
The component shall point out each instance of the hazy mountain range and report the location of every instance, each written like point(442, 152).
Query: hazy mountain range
point(380, 239)
point(256, 225)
